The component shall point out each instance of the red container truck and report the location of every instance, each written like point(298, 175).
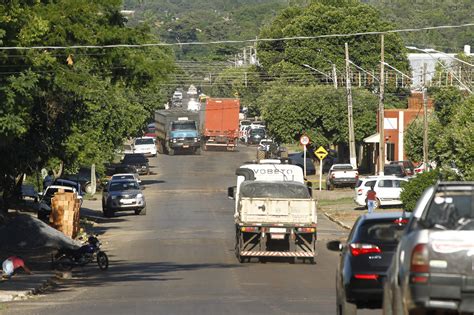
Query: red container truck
point(221, 123)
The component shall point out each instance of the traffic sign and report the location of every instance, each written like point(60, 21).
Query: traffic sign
point(304, 140)
point(321, 153)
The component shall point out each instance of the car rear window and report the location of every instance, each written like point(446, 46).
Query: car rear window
point(134, 158)
point(144, 141)
point(343, 167)
point(451, 210)
point(274, 190)
point(375, 230)
point(393, 170)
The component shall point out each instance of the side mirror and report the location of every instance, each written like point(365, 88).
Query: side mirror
point(231, 192)
point(335, 246)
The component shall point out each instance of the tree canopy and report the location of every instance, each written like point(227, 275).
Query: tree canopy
point(73, 104)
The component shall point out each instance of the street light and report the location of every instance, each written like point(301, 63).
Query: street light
point(334, 78)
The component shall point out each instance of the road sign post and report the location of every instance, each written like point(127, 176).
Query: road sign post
point(304, 140)
point(321, 153)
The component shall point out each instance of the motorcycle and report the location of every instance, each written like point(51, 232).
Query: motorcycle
point(67, 258)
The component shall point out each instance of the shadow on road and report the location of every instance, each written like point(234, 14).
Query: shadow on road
point(124, 271)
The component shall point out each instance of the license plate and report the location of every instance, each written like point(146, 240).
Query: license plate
point(277, 230)
point(185, 146)
point(127, 201)
point(277, 236)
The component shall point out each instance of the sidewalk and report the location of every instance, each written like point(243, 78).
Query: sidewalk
point(23, 285)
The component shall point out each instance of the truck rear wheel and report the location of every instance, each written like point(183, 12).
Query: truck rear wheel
point(238, 247)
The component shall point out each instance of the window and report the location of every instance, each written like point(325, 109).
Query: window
point(396, 183)
point(386, 183)
point(370, 183)
point(390, 151)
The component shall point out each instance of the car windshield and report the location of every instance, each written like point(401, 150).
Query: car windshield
point(183, 125)
point(116, 177)
point(121, 186)
point(51, 191)
point(257, 132)
point(451, 210)
point(274, 190)
point(144, 141)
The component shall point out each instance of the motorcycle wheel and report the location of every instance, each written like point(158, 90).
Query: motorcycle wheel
point(102, 260)
point(64, 263)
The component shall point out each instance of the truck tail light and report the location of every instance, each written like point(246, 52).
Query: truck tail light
point(419, 259)
point(252, 229)
point(358, 249)
point(306, 230)
point(366, 276)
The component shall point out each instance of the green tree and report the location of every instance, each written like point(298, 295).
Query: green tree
point(323, 18)
point(319, 111)
point(75, 105)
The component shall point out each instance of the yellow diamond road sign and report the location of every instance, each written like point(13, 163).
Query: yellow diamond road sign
point(321, 153)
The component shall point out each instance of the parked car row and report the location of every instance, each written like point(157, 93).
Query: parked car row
point(411, 264)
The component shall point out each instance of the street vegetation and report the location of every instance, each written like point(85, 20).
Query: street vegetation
point(74, 107)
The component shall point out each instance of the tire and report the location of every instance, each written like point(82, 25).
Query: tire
point(387, 300)
point(102, 260)
point(140, 211)
point(107, 212)
point(344, 307)
point(64, 263)
point(88, 188)
point(237, 248)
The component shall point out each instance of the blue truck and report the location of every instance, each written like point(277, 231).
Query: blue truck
point(177, 130)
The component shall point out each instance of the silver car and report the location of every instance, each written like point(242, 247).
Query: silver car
point(123, 195)
point(433, 267)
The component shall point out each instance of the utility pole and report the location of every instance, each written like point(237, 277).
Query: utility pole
point(334, 76)
point(352, 153)
point(425, 119)
point(381, 108)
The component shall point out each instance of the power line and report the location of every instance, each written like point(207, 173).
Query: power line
point(406, 30)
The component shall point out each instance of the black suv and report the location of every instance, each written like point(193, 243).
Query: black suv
point(139, 161)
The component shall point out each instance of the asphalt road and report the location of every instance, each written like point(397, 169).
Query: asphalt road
point(179, 259)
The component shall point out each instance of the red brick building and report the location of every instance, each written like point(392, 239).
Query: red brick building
point(396, 122)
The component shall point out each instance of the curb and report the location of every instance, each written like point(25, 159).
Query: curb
point(23, 295)
point(340, 223)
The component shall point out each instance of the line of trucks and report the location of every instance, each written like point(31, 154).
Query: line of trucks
point(216, 124)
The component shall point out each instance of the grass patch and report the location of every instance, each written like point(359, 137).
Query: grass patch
point(341, 201)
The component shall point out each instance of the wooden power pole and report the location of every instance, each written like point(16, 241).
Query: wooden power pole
point(425, 119)
point(381, 107)
point(352, 151)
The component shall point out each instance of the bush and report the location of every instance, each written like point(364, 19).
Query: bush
point(412, 190)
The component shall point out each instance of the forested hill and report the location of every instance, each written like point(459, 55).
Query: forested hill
point(204, 20)
point(421, 13)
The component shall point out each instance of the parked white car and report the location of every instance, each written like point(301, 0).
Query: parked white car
point(387, 189)
point(145, 145)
